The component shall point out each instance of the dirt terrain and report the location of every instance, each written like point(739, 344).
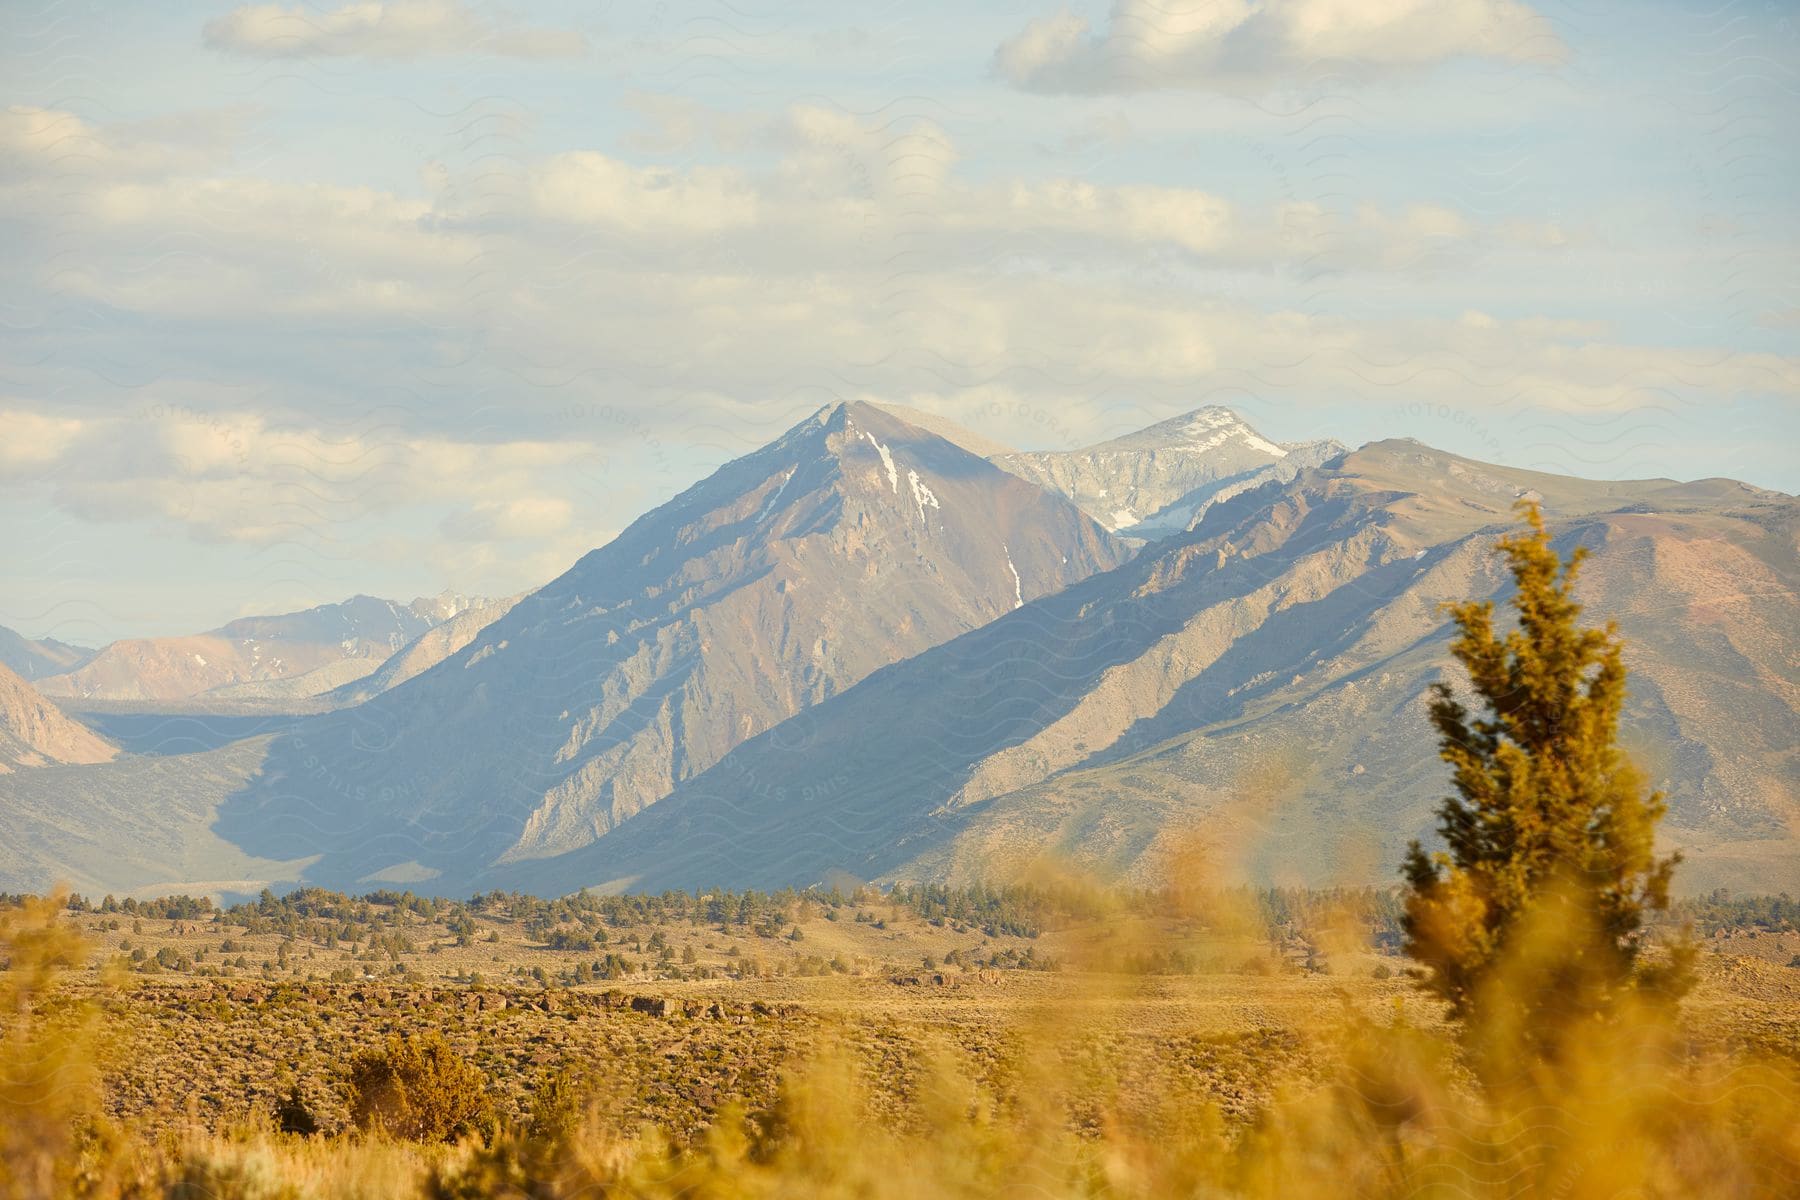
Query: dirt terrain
point(698, 1016)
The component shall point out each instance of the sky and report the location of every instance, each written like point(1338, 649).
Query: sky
point(304, 301)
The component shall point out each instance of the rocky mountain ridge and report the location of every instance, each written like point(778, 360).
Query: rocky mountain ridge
point(1256, 689)
point(35, 658)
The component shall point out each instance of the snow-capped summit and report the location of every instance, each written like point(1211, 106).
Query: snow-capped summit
point(1158, 480)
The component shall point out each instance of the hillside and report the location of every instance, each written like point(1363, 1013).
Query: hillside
point(36, 733)
point(1256, 689)
point(424, 652)
point(863, 652)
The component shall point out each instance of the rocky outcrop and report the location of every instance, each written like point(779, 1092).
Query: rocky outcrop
point(425, 652)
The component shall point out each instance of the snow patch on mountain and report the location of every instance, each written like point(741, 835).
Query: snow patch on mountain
point(887, 460)
point(921, 494)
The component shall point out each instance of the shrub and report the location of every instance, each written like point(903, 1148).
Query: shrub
point(293, 1115)
point(417, 1088)
point(557, 1105)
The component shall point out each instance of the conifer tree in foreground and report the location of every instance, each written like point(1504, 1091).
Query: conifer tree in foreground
point(1534, 911)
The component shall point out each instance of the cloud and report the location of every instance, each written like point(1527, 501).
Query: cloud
point(842, 198)
point(581, 275)
point(521, 518)
point(30, 441)
point(382, 29)
point(234, 477)
point(53, 143)
point(505, 363)
point(1236, 45)
point(1184, 217)
point(589, 188)
point(830, 152)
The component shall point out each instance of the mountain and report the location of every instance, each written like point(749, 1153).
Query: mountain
point(34, 659)
point(853, 541)
point(1159, 480)
point(36, 733)
point(300, 692)
point(362, 631)
point(422, 653)
point(722, 695)
point(1256, 687)
point(446, 605)
point(346, 681)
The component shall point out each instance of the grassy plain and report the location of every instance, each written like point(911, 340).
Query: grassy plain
point(1078, 1044)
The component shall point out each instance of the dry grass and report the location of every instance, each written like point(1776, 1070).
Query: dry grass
point(873, 1083)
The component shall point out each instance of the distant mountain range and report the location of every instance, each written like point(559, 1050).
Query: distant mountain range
point(35, 659)
point(865, 651)
point(293, 655)
point(423, 653)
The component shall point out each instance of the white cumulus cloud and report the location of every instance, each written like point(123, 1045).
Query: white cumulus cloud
point(1233, 45)
point(386, 29)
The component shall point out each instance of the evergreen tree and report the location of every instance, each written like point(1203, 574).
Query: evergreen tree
point(1550, 862)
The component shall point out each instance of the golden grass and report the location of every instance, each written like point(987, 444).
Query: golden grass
point(1080, 1084)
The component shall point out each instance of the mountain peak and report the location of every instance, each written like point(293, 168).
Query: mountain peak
point(35, 658)
point(1301, 626)
point(853, 540)
point(881, 416)
point(1158, 480)
point(1201, 431)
